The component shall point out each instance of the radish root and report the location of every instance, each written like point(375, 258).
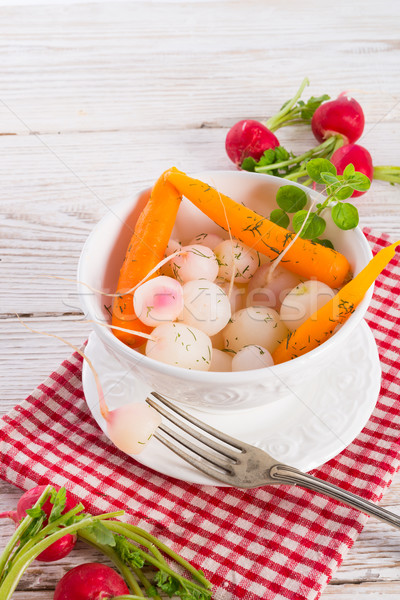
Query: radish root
point(103, 406)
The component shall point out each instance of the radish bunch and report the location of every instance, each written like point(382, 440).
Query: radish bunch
point(336, 124)
point(46, 516)
point(250, 139)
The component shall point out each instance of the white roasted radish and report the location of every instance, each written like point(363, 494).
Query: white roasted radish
point(158, 300)
point(205, 306)
point(269, 288)
point(251, 357)
point(131, 427)
point(255, 325)
point(197, 262)
point(303, 301)
point(236, 261)
point(180, 345)
point(221, 361)
point(211, 240)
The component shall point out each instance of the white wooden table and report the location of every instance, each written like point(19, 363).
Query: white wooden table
point(98, 98)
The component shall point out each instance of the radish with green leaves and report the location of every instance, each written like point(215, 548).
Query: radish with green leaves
point(250, 139)
point(341, 117)
point(51, 509)
point(136, 554)
point(361, 159)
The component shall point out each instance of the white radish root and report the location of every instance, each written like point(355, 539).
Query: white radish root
point(179, 345)
point(131, 427)
point(205, 306)
point(158, 300)
point(259, 326)
point(236, 261)
point(303, 301)
point(195, 262)
point(221, 361)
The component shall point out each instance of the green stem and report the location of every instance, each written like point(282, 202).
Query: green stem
point(113, 556)
point(144, 581)
point(323, 149)
point(296, 175)
point(273, 122)
point(132, 529)
point(50, 528)
point(20, 531)
point(127, 597)
point(386, 173)
point(331, 197)
point(123, 529)
point(27, 556)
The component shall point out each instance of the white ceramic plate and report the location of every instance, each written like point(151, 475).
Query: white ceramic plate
point(306, 429)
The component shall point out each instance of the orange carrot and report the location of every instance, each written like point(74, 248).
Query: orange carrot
point(146, 249)
point(320, 326)
point(307, 259)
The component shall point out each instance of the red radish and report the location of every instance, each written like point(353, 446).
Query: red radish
point(343, 116)
point(62, 547)
point(91, 581)
point(249, 138)
point(356, 155)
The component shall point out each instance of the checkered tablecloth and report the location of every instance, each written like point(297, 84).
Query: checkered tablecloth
point(270, 543)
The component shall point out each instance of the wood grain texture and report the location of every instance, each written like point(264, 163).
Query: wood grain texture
point(98, 98)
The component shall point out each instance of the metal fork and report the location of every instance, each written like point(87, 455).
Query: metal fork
point(242, 465)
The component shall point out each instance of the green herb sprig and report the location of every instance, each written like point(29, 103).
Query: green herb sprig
point(295, 111)
point(129, 547)
point(292, 200)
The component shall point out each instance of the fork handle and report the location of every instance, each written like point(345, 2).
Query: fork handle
point(291, 476)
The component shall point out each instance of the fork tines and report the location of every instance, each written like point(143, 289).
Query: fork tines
point(218, 462)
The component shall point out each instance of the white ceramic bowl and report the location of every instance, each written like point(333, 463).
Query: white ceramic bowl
point(99, 267)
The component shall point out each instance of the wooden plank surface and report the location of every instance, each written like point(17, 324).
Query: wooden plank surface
point(97, 98)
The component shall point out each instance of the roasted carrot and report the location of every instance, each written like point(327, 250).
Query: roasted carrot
point(307, 259)
point(320, 326)
point(146, 249)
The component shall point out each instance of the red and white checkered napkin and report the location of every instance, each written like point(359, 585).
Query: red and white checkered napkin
point(272, 542)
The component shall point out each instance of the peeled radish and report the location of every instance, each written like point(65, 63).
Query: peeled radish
point(198, 262)
point(259, 326)
point(211, 240)
point(172, 246)
point(158, 300)
point(267, 289)
point(235, 293)
point(236, 260)
point(180, 345)
point(251, 357)
point(303, 301)
point(221, 361)
point(206, 306)
point(131, 427)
